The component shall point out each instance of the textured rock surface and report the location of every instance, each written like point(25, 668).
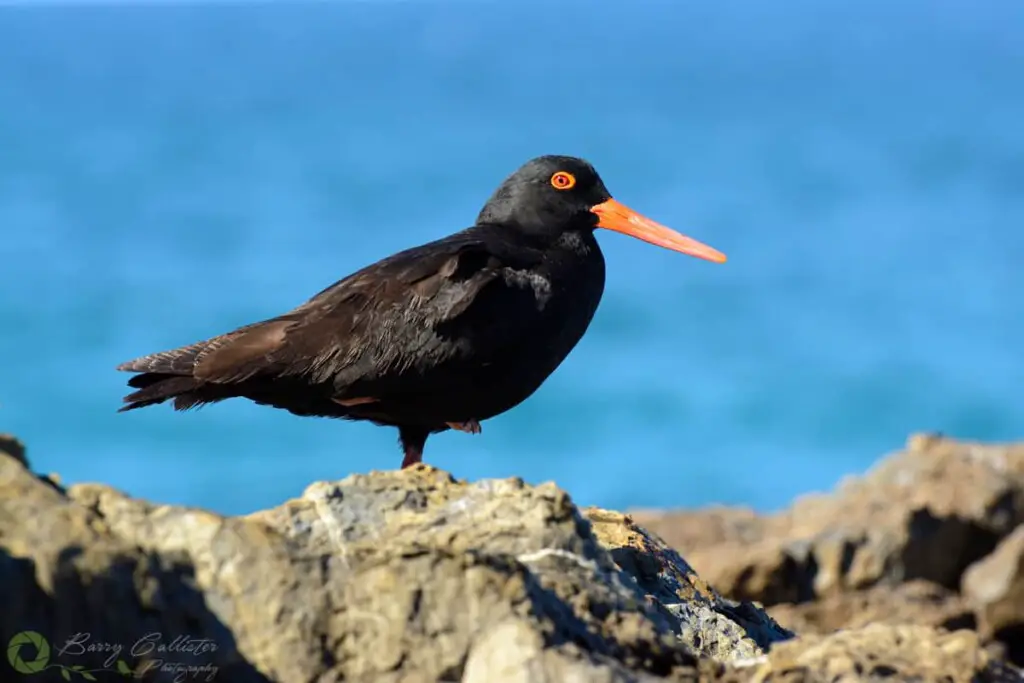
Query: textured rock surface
point(407, 576)
point(10, 445)
point(926, 513)
point(995, 585)
point(916, 602)
point(890, 547)
point(392, 576)
point(903, 653)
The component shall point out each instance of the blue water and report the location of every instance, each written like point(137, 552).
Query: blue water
point(170, 172)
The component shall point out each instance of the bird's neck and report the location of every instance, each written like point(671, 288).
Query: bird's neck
point(576, 237)
point(581, 242)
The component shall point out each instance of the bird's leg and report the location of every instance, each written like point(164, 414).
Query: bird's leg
point(413, 439)
point(471, 427)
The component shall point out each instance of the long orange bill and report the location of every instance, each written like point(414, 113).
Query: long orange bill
point(621, 218)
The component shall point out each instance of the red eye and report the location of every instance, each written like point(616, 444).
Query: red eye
point(563, 181)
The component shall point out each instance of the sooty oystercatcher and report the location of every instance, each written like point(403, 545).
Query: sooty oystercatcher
point(443, 335)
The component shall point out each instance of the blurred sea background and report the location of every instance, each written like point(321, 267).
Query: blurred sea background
point(171, 171)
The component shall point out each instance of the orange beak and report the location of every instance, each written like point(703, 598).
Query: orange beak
point(621, 218)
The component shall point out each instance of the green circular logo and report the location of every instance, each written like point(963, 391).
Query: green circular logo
point(40, 645)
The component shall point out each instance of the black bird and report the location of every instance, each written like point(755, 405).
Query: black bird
point(443, 335)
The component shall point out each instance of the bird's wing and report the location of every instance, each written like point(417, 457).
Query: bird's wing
point(422, 311)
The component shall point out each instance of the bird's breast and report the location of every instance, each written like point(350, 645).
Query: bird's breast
point(537, 282)
point(568, 289)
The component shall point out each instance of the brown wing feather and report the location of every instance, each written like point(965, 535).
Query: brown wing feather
point(242, 355)
point(376, 321)
point(374, 325)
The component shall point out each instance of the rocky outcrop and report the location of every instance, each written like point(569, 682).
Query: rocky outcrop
point(915, 602)
point(400, 576)
point(995, 586)
point(392, 576)
point(13, 448)
point(930, 536)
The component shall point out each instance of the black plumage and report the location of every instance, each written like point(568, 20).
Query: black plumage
point(443, 335)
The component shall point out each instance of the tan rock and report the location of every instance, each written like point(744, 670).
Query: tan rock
point(878, 652)
point(723, 629)
point(391, 576)
point(875, 653)
point(916, 602)
point(407, 576)
point(995, 585)
point(690, 530)
point(925, 513)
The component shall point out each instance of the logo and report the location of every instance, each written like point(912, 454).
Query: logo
point(16, 657)
point(29, 653)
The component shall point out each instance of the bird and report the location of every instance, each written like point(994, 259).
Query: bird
point(444, 335)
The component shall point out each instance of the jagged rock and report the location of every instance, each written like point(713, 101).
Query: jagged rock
point(391, 576)
point(995, 585)
point(916, 602)
point(879, 652)
point(925, 513)
point(706, 527)
point(722, 629)
point(10, 445)
point(403, 576)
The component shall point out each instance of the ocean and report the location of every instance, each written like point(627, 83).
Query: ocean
point(169, 171)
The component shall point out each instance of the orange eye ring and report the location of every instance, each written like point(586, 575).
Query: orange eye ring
point(563, 181)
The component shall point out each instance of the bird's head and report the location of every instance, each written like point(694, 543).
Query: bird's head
point(550, 195)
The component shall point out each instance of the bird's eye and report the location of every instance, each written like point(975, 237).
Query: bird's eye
point(563, 181)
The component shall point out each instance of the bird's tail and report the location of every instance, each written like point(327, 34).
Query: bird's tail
point(168, 375)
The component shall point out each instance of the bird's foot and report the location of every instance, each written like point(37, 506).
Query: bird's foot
point(471, 427)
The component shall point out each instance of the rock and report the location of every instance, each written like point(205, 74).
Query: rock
point(925, 513)
point(704, 528)
point(722, 629)
point(10, 445)
point(392, 576)
point(879, 652)
point(409, 576)
point(875, 653)
point(916, 602)
point(995, 585)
